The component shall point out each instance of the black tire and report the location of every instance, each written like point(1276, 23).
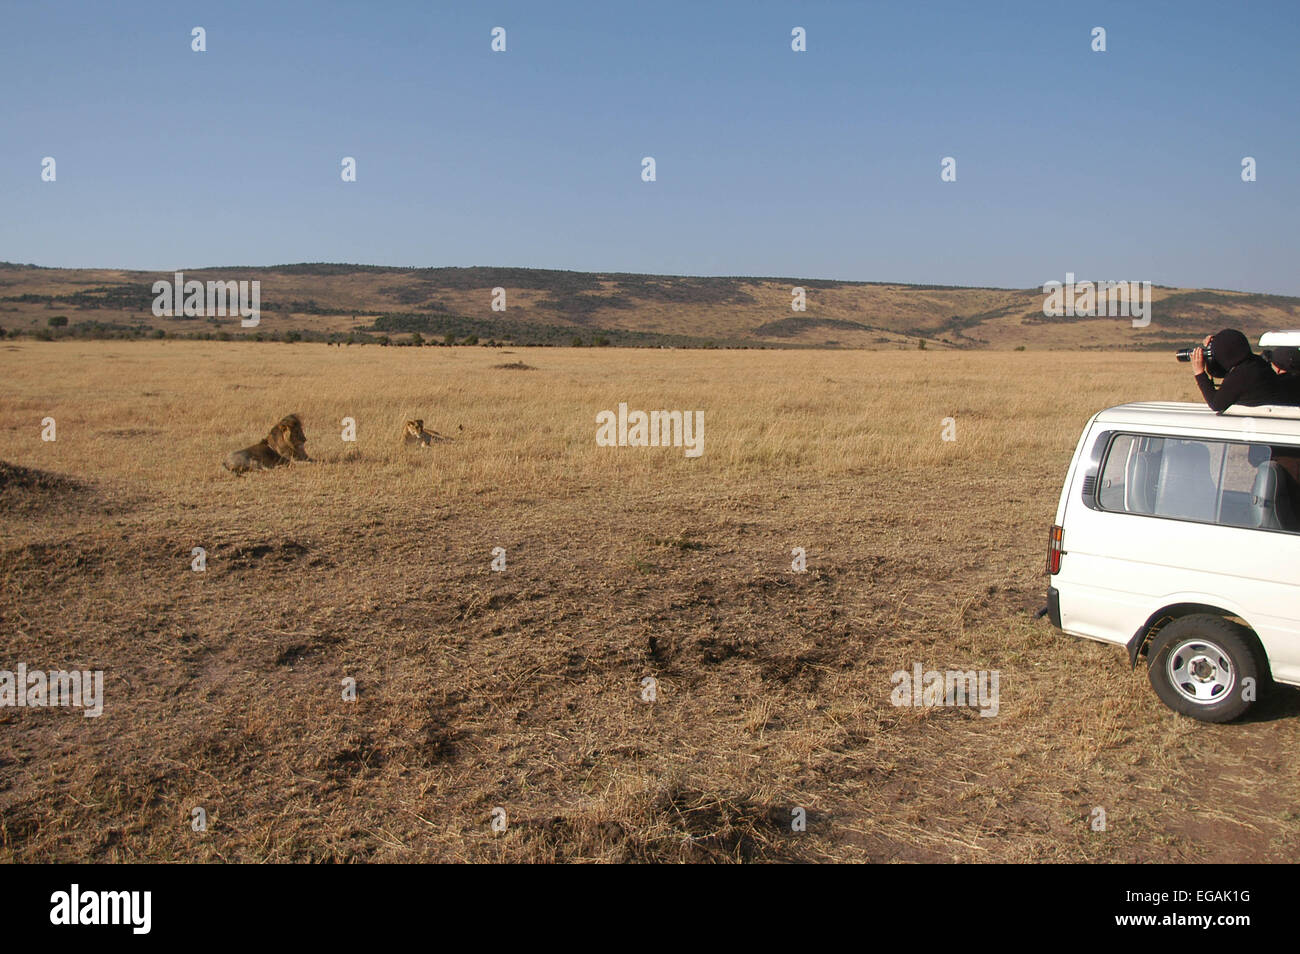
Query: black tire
point(1199, 665)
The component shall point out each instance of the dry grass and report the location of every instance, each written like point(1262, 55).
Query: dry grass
point(522, 689)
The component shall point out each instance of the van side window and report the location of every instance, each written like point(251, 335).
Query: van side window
point(1188, 483)
point(1129, 478)
point(1116, 489)
point(1240, 471)
point(1230, 483)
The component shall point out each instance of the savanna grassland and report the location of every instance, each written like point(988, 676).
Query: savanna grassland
point(522, 689)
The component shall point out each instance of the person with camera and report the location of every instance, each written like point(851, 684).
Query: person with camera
point(1247, 377)
point(1286, 364)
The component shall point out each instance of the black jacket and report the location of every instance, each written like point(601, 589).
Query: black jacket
point(1286, 388)
point(1250, 383)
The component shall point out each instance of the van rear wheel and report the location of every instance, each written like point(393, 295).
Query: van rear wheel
point(1206, 667)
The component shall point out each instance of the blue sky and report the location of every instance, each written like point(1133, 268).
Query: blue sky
point(824, 164)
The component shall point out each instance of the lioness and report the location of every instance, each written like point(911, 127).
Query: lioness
point(285, 443)
point(414, 433)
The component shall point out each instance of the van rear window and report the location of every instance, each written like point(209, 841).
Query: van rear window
point(1230, 483)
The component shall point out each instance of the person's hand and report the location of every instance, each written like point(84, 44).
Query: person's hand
point(1198, 361)
point(1208, 339)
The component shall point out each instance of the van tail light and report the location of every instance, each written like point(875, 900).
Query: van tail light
point(1055, 548)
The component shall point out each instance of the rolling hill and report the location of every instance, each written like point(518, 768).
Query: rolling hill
point(546, 307)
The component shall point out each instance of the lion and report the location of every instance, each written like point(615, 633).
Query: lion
point(414, 433)
point(284, 444)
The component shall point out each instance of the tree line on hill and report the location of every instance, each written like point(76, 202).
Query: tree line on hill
point(400, 330)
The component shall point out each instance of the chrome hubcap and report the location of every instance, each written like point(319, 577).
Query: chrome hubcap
point(1200, 671)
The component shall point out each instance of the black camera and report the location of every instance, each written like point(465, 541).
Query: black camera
point(1211, 366)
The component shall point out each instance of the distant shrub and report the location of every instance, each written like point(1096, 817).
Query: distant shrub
point(472, 340)
point(57, 321)
point(292, 336)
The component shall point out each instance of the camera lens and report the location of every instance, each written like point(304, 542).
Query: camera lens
point(1185, 354)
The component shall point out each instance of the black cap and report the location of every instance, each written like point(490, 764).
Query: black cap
point(1286, 357)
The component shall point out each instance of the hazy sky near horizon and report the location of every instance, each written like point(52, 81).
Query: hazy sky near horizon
point(819, 164)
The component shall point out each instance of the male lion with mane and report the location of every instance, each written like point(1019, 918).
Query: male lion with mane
point(284, 444)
